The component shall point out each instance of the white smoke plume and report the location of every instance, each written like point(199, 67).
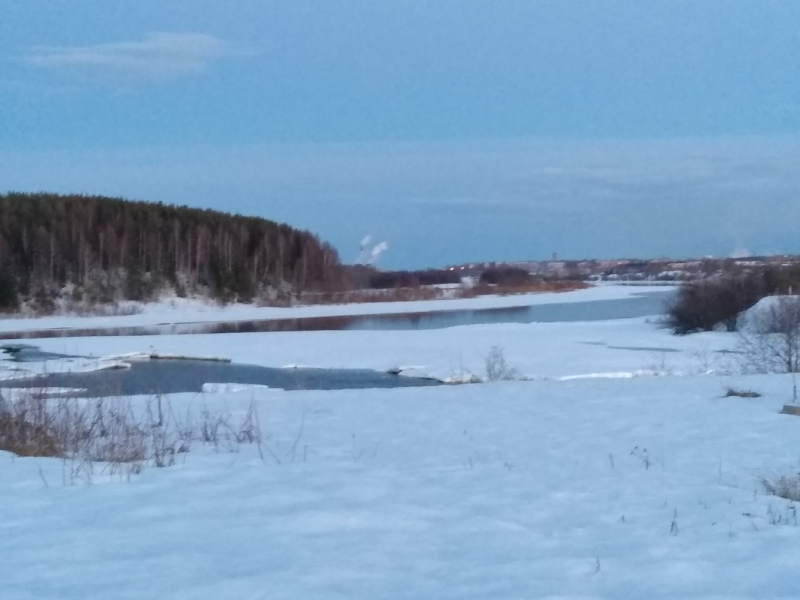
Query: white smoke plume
point(376, 252)
point(740, 252)
point(369, 255)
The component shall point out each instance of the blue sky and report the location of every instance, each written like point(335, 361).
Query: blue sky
point(455, 130)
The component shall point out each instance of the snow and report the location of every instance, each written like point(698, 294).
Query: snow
point(536, 350)
point(234, 388)
point(139, 356)
point(616, 469)
point(509, 490)
point(753, 317)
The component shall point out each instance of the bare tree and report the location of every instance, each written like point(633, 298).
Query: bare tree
point(770, 342)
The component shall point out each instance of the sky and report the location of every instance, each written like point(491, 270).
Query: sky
point(452, 130)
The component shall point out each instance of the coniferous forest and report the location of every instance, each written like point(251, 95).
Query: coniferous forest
point(99, 250)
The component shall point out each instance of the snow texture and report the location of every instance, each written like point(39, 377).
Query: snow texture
point(617, 469)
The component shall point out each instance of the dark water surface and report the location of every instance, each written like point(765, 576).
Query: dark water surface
point(640, 305)
point(174, 376)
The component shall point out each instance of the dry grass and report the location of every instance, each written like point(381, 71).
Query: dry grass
point(103, 429)
point(107, 431)
point(23, 438)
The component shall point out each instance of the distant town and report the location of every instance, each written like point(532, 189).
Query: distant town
point(658, 269)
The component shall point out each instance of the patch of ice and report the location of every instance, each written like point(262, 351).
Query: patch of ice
point(620, 375)
point(404, 368)
point(130, 356)
point(163, 356)
point(66, 390)
point(105, 365)
point(458, 378)
point(233, 388)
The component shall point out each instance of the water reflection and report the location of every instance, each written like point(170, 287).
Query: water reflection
point(641, 305)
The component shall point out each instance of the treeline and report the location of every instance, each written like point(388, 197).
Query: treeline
point(106, 249)
point(506, 276)
point(717, 301)
point(405, 279)
point(366, 277)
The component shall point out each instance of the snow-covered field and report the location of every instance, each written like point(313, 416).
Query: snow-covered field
point(616, 470)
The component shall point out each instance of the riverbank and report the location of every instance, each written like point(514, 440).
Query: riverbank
point(177, 311)
point(605, 461)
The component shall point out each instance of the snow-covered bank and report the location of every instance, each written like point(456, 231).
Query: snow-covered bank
point(536, 350)
point(617, 470)
point(178, 310)
point(625, 489)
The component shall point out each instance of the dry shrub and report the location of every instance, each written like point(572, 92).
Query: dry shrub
point(219, 430)
point(717, 301)
point(85, 431)
point(101, 429)
point(26, 427)
point(108, 431)
point(497, 369)
point(784, 486)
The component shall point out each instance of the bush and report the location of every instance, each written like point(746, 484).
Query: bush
point(787, 487)
point(715, 302)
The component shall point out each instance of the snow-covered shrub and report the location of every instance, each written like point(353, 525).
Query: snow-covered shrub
point(784, 486)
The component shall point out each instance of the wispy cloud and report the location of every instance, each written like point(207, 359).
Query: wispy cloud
point(156, 57)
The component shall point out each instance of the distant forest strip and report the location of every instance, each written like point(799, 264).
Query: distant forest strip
point(107, 249)
point(71, 253)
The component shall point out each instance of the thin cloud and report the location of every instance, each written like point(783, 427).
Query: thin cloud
point(157, 57)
